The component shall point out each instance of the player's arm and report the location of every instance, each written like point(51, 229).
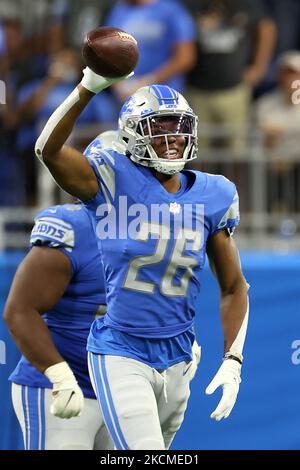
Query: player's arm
point(183, 55)
point(38, 285)
point(68, 166)
point(225, 263)
point(182, 60)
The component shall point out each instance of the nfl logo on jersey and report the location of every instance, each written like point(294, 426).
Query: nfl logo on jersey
point(174, 208)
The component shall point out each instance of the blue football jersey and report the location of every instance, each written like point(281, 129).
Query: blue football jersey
point(153, 246)
point(69, 229)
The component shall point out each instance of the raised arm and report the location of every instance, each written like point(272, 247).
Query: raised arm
point(68, 166)
point(225, 263)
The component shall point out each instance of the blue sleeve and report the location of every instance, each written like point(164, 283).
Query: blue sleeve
point(103, 164)
point(182, 24)
point(54, 229)
point(226, 214)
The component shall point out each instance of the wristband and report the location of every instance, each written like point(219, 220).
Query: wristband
point(235, 356)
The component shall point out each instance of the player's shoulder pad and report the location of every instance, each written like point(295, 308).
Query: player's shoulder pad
point(96, 151)
point(221, 187)
point(107, 164)
point(94, 148)
point(56, 226)
point(226, 199)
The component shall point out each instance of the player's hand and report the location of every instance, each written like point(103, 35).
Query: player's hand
point(229, 377)
point(96, 83)
point(68, 400)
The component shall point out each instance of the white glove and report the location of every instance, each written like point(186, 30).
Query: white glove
point(229, 377)
point(68, 400)
point(196, 358)
point(96, 83)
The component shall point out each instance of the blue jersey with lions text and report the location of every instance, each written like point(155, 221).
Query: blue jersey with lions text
point(153, 246)
point(69, 229)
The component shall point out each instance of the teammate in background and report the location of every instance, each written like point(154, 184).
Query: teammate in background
point(62, 279)
point(166, 36)
point(140, 352)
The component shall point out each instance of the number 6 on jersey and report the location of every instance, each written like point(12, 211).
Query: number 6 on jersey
point(177, 260)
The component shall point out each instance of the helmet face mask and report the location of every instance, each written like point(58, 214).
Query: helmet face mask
point(152, 118)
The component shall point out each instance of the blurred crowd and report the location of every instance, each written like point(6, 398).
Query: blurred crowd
point(236, 61)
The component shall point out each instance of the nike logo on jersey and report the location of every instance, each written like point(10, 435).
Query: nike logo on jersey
point(174, 208)
point(187, 369)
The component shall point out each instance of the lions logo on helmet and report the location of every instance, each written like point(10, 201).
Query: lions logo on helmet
point(143, 118)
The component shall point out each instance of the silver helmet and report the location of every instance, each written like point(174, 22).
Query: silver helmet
point(142, 119)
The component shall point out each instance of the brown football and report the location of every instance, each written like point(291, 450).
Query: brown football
point(110, 52)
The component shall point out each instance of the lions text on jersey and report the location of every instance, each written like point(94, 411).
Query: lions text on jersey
point(69, 229)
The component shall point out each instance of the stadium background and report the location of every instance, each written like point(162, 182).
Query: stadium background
point(267, 412)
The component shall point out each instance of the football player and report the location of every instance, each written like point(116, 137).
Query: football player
point(62, 279)
point(140, 352)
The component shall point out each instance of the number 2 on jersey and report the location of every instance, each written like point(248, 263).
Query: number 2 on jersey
point(177, 260)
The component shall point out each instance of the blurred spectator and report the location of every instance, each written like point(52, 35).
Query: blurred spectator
point(39, 98)
point(81, 17)
point(15, 56)
point(36, 20)
point(2, 40)
point(286, 15)
point(2, 50)
point(165, 33)
point(50, 25)
point(11, 179)
point(278, 116)
point(10, 176)
point(235, 44)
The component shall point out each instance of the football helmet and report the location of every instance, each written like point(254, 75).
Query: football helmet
point(157, 111)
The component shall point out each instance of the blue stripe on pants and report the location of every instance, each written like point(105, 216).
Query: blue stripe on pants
point(104, 397)
point(33, 401)
point(98, 390)
point(25, 411)
point(42, 413)
point(33, 418)
point(111, 403)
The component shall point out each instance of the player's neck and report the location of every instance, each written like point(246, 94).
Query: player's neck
point(171, 183)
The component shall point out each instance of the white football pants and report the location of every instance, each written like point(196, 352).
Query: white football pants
point(142, 407)
point(43, 431)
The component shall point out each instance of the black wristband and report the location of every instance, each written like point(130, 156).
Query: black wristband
point(231, 356)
